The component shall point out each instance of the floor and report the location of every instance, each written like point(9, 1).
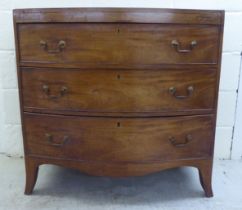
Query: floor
point(58, 188)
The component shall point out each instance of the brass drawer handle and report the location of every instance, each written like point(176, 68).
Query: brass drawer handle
point(60, 46)
point(176, 45)
point(47, 91)
point(176, 144)
point(173, 92)
point(51, 141)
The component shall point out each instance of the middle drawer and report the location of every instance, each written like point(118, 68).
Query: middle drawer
point(119, 91)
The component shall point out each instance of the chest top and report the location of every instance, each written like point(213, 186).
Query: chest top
point(117, 38)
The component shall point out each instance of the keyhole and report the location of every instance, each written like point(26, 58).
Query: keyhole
point(118, 30)
point(118, 76)
point(118, 124)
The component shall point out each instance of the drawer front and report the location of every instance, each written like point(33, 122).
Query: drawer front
point(119, 139)
point(108, 91)
point(116, 45)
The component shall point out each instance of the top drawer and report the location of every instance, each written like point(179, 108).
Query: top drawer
point(87, 45)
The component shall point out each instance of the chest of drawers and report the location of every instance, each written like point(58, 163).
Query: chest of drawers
point(118, 92)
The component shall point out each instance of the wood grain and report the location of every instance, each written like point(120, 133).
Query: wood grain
point(119, 91)
point(119, 139)
point(116, 45)
point(124, 15)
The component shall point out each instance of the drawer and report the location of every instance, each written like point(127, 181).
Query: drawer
point(119, 139)
point(118, 91)
point(116, 45)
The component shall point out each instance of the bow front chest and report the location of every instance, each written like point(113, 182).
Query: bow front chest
point(118, 92)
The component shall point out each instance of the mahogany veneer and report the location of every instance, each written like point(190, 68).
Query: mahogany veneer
point(118, 92)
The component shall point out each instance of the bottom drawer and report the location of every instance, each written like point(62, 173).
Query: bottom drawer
point(119, 139)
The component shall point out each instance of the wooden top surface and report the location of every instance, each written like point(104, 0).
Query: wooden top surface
point(126, 15)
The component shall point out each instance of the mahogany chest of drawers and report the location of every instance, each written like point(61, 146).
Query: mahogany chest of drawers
point(118, 92)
